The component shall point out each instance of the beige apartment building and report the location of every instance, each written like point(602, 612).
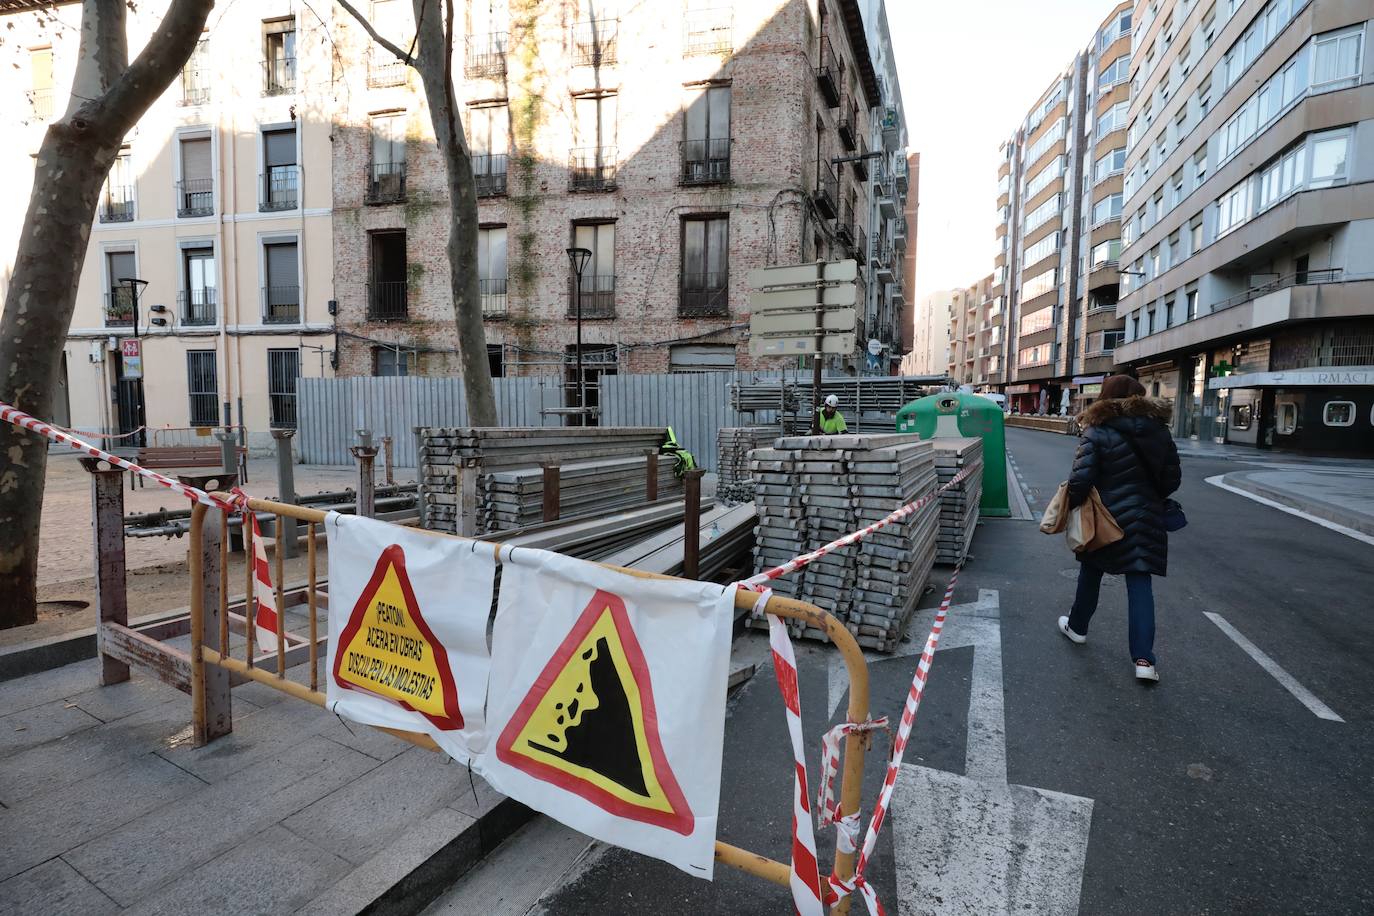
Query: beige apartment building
point(219, 205)
point(1249, 229)
point(683, 144)
point(930, 335)
point(972, 335)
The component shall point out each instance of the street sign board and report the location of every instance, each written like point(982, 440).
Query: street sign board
point(831, 345)
point(797, 274)
point(802, 321)
point(131, 350)
point(767, 300)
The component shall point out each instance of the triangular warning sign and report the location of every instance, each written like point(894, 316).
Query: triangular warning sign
point(589, 725)
point(388, 650)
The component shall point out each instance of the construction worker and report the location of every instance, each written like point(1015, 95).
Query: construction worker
point(832, 421)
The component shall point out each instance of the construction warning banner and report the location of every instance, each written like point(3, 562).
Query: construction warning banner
point(607, 703)
point(407, 631)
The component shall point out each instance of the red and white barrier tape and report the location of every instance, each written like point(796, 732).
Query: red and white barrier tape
point(796, 563)
point(17, 417)
point(805, 881)
point(264, 597)
point(846, 826)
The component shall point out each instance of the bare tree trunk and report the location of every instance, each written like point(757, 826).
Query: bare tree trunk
point(433, 60)
point(109, 96)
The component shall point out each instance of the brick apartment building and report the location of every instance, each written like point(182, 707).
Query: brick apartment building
point(682, 150)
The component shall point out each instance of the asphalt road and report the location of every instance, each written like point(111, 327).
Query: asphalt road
point(1217, 791)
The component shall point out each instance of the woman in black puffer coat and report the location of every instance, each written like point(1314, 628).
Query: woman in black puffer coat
point(1127, 453)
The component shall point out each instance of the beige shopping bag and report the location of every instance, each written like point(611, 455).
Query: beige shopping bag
point(1091, 526)
point(1056, 517)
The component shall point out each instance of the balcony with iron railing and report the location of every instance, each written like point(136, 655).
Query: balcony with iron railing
point(384, 70)
point(493, 293)
point(117, 205)
point(861, 246)
point(196, 197)
point(195, 86)
point(827, 192)
point(279, 76)
point(489, 173)
point(704, 295)
point(901, 175)
point(709, 31)
point(847, 121)
point(1305, 278)
point(40, 104)
point(705, 161)
point(486, 55)
point(860, 164)
point(386, 183)
point(281, 304)
point(280, 188)
point(119, 307)
point(844, 224)
point(594, 42)
point(592, 168)
point(829, 72)
point(597, 296)
point(387, 300)
point(197, 306)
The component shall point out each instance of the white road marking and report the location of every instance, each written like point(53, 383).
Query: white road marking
point(1217, 481)
point(1304, 696)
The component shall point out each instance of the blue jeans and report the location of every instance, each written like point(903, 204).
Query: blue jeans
point(1140, 601)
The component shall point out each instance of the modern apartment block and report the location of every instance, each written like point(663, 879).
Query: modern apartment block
point(683, 147)
point(218, 207)
point(1249, 231)
point(969, 332)
point(930, 339)
point(1058, 212)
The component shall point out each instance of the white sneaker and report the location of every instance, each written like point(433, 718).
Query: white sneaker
point(1073, 637)
point(1144, 671)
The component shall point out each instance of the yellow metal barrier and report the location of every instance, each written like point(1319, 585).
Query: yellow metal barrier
point(246, 669)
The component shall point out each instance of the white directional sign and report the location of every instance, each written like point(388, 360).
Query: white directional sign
point(831, 345)
point(788, 297)
point(796, 274)
point(798, 322)
point(784, 320)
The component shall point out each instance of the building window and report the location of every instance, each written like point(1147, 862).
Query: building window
point(1049, 173)
point(489, 137)
point(491, 270)
point(119, 301)
point(1042, 249)
point(1336, 59)
point(1168, 314)
point(279, 56)
point(386, 176)
point(1040, 284)
point(1329, 152)
point(1113, 118)
point(392, 362)
point(594, 42)
point(283, 368)
point(281, 291)
point(198, 287)
point(496, 360)
point(1043, 214)
point(195, 76)
point(202, 387)
point(196, 190)
point(1234, 207)
point(593, 160)
point(1286, 422)
point(40, 92)
point(1176, 189)
point(706, 127)
point(386, 292)
point(1149, 322)
point(1037, 321)
point(701, 358)
point(1339, 413)
point(1191, 297)
point(1110, 164)
point(597, 292)
point(117, 200)
point(1195, 235)
point(1038, 355)
point(1242, 416)
point(705, 267)
point(708, 28)
point(1106, 253)
point(1108, 208)
point(281, 175)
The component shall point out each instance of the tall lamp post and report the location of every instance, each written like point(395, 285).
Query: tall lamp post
point(578, 258)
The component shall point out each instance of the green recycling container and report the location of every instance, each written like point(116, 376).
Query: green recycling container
point(959, 414)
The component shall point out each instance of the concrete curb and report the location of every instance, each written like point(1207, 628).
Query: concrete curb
point(1355, 521)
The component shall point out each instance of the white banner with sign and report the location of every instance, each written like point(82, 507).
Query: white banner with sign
point(607, 703)
point(407, 631)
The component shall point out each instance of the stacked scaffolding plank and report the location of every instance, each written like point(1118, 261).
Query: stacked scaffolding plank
point(814, 489)
point(958, 504)
point(499, 472)
point(733, 445)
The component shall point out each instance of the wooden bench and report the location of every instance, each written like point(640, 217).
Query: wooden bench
point(185, 456)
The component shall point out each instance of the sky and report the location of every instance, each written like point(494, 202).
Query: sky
point(970, 70)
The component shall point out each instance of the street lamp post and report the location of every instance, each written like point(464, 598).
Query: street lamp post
point(578, 258)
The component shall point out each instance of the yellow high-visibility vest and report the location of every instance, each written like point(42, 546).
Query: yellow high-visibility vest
point(833, 425)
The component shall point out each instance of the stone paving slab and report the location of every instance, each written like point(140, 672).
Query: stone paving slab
point(27, 728)
point(53, 889)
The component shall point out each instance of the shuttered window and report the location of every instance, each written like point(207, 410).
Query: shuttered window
point(195, 159)
point(202, 386)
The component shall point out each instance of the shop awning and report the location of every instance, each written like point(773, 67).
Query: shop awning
point(1298, 378)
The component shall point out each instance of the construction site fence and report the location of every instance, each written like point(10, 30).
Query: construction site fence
point(695, 404)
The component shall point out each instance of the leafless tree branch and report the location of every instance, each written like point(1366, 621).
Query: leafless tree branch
point(402, 56)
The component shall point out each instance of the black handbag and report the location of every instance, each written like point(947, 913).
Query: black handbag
point(1174, 517)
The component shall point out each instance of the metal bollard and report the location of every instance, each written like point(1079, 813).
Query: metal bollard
point(691, 524)
point(552, 474)
point(286, 490)
point(366, 454)
point(228, 452)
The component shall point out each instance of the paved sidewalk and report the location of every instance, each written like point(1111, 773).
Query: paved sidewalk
point(105, 806)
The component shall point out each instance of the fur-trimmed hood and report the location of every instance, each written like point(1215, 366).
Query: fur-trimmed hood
point(1099, 412)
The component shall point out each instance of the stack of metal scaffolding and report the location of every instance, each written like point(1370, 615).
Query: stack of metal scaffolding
point(457, 466)
point(958, 504)
point(733, 445)
point(814, 489)
point(869, 403)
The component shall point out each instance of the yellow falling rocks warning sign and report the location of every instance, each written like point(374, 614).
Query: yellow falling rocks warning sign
point(388, 650)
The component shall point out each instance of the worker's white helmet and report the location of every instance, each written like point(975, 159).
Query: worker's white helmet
point(832, 401)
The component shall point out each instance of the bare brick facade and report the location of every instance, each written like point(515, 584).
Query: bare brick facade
point(713, 115)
